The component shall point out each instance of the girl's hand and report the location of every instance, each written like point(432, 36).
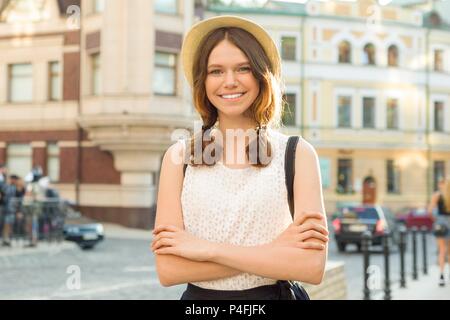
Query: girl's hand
point(176, 241)
point(305, 233)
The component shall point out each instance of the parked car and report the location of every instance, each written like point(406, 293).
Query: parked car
point(84, 231)
point(351, 221)
point(415, 217)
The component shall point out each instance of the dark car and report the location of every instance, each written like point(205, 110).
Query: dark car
point(415, 217)
point(351, 221)
point(83, 231)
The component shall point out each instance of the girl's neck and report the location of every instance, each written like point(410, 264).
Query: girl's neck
point(241, 123)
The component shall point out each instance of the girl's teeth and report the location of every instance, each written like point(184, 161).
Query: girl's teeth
point(232, 96)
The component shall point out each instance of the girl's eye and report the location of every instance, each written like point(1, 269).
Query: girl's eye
point(240, 70)
point(244, 69)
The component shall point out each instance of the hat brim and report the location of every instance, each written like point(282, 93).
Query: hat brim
point(196, 34)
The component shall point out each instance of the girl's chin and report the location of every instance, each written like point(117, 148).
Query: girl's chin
point(232, 112)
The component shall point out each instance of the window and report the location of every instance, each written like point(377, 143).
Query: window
point(393, 56)
point(438, 60)
point(344, 111)
point(164, 78)
point(369, 54)
point(438, 173)
point(344, 178)
point(166, 6)
point(393, 177)
point(438, 116)
point(392, 114)
point(23, 11)
point(288, 46)
point(99, 6)
point(54, 81)
point(96, 77)
point(368, 112)
point(345, 52)
point(19, 159)
point(289, 109)
point(53, 162)
point(21, 82)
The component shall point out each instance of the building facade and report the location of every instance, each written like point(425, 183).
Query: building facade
point(92, 91)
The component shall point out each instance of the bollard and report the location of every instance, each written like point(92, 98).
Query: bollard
point(365, 244)
point(387, 281)
point(402, 247)
point(424, 249)
point(414, 253)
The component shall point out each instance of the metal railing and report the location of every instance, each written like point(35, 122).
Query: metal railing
point(388, 245)
point(35, 220)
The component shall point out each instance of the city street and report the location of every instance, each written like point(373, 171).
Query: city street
point(123, 268)
point(115, 269)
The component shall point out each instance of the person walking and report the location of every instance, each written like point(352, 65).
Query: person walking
point(441, 201)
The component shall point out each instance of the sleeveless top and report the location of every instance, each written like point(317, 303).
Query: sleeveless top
point(245, 207)
point(441, 207)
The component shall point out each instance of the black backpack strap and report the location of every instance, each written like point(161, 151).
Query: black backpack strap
point(186, 156)
point(289, 170)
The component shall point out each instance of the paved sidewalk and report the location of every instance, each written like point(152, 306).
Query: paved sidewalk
point(425, 287)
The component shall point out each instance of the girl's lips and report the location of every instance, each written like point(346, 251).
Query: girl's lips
point(232, 99)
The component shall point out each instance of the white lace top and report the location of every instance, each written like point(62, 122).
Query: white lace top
point(245, 207)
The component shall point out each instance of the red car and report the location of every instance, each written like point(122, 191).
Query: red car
point(415, 217)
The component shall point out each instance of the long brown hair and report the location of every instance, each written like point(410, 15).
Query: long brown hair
point(265, 110)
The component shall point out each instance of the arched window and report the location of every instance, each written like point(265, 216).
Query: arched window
point(345, 52)
point(393, 56)
point(369, 54)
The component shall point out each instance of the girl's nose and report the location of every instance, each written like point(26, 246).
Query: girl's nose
point(230, 80)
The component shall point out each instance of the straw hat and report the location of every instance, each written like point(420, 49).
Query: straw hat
point(200, 30)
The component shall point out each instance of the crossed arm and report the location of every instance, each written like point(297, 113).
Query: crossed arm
point(299, 253)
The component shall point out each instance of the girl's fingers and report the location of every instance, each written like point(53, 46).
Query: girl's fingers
point(165, 228)
point(313, 226)
point(163, 243)
point(300, 219)
point(164, 234)
point(311, 245)
point(313, 234)
point(168, 250)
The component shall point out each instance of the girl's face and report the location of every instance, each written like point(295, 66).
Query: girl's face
point(230, 84)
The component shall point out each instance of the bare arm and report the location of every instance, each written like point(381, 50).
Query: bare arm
point(433, 204)
point(282, 262)
point(171, 269)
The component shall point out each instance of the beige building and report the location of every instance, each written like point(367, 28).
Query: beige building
point(92, 90)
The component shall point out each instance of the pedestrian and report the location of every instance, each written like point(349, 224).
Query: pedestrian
point(11, 206)
point(3, 185)
point(441, 201)
point(223, 226)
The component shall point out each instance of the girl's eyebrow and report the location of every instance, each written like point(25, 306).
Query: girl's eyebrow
point(237, 65)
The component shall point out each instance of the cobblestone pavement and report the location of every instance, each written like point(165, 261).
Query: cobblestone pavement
point(122, 267)
point(115, 269)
